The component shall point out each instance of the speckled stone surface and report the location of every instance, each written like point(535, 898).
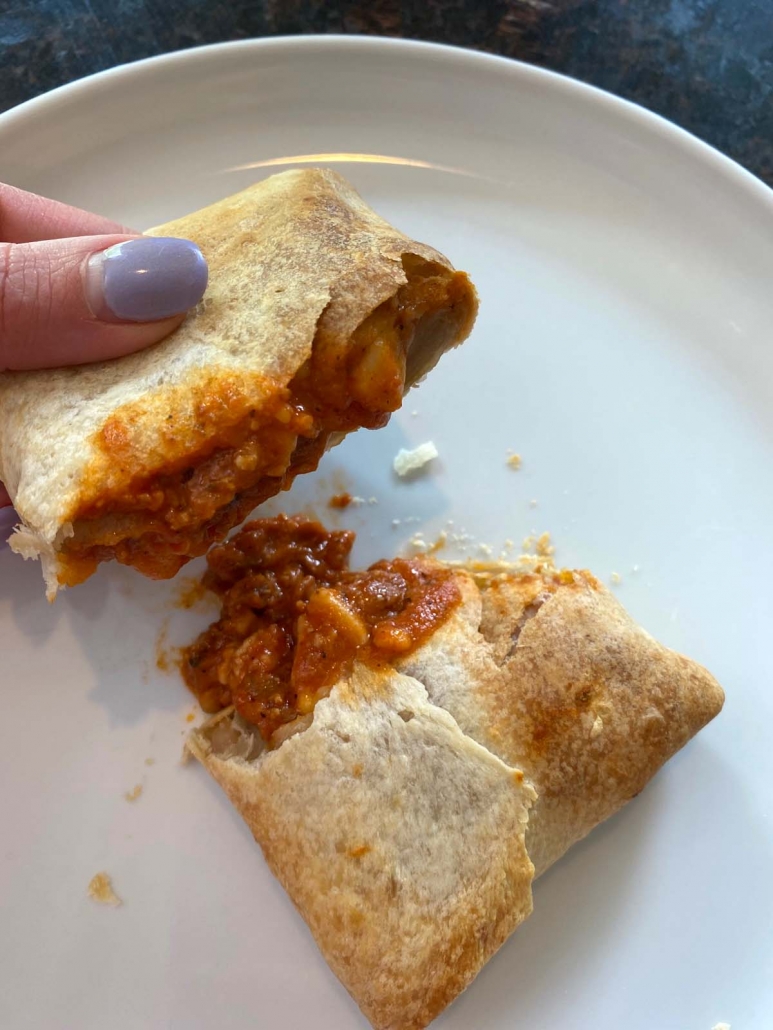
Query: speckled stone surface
point(705, 64)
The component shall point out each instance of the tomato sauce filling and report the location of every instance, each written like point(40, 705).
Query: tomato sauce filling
point(294, 618)
point(160, 523)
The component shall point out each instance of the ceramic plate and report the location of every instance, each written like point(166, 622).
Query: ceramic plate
point(623, 350)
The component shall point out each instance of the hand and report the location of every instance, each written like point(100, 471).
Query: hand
point(76, 287)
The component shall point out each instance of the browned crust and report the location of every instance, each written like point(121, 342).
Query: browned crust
point(583, 700)
point(399, 840)
point(296, 251)
point(545, 671)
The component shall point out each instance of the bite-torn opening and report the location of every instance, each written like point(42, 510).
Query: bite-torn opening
point(526, 615)
point(294, 619)
point(230, 736)
point(250, 453)
point(526, 594)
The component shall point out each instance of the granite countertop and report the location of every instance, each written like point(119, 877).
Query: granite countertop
point(705, 64)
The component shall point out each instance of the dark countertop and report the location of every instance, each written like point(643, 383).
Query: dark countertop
point(705, 64)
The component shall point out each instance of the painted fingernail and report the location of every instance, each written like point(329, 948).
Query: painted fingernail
point(8, 519)
point(145, 279)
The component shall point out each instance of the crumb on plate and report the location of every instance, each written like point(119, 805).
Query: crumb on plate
point(537, 553)
point(418, 543)
point(616, 579)
point(439, 543)
point(514, 461)
point(101, 889)
point(411, 461)
point(134, 793)
point(544, 547)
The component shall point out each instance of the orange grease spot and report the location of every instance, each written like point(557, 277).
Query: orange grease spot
point(165, 655)
point(191, 593)
point(340, 500)
point(359, 851)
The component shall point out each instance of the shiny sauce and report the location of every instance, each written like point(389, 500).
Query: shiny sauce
point(158, 523)
point(294, 618)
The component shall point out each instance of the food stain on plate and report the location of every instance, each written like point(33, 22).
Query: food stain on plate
point(100, 889)
point(165, 654)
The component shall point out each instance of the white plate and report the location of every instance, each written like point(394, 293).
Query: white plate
point(623, 348)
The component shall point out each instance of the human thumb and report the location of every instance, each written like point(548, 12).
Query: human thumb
point(88, 298)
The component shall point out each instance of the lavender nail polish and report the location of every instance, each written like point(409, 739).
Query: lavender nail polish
point(145, 279)
point(8, 519)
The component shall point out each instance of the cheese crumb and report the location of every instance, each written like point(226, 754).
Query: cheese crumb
point(418, 543)
point(134, 793)
point(149, 761)
point(411, 461)
point(616, 579)
point(533, 502)
point(514, 462)
point(440, 542)
point(101, 889)
point(486, 549)
point(536, 553)
point(544, 547)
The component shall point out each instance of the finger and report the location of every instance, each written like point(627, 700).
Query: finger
point(26, 217)
point(66, 302)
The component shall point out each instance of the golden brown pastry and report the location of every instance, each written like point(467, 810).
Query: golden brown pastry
point(410, 745)
point(318, 316)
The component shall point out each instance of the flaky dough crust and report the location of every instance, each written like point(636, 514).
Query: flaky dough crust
point(293, 251)
point(402, 822)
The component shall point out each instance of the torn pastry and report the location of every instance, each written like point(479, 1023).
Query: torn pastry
point(317, 318)
point(411, 744)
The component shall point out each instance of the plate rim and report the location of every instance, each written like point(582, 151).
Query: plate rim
point(680, 139)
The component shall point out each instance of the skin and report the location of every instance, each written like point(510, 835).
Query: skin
point(45, 321)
